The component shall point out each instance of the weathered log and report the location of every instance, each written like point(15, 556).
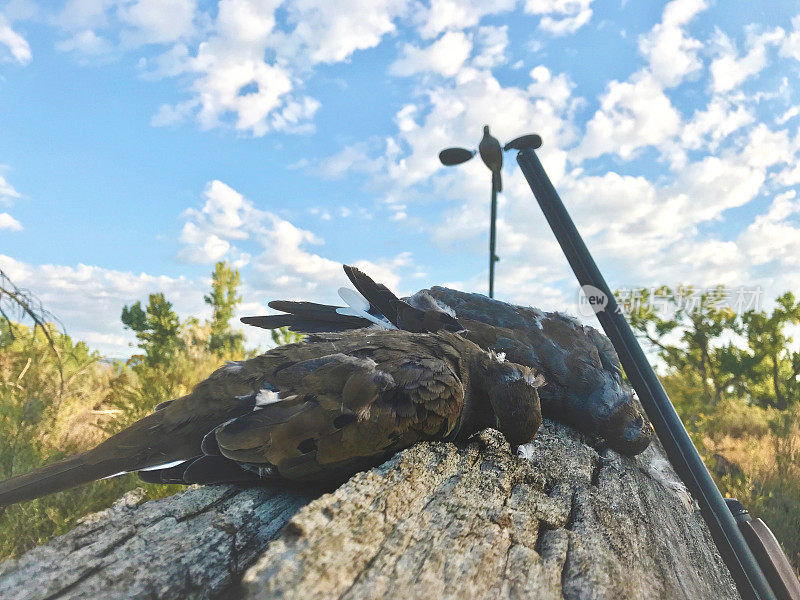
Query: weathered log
point(435, 521)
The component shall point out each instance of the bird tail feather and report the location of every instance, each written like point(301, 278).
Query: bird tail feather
point(309, 317)
point(306, 317)
point(58, 476)
point(140, 446)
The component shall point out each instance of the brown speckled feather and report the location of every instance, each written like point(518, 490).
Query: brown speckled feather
point(355, 396)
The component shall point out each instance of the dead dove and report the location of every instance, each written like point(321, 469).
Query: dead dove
point(314, 411)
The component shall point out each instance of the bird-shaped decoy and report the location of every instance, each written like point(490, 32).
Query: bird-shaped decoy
point(584, 385)
point(315, 411)
point(490, 152)
point(492, 156)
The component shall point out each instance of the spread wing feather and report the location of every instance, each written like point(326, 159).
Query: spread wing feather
point(380, 298)
point(376, 304)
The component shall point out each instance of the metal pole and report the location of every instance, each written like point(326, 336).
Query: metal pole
point(681, 452)
point(492, 237)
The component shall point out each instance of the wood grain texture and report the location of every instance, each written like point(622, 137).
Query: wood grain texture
point(438, 520)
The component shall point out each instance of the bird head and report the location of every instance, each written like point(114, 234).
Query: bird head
point(512, 393)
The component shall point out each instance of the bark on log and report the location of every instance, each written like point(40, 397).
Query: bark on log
point(435, 521)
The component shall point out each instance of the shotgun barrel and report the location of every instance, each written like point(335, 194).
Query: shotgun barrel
point(680, 450)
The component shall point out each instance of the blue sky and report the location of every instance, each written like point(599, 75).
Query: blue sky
point(143, 140)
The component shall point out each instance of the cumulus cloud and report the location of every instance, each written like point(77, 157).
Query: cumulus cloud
point(9, 222)
point(240, 68)
point(233, 78)
point(444, 15)
point(330, 32)
point(7, 191)
point(791, 43)
point(228, 226)
point(492, 43)
point(288, 264)
point(729, 70)
point(561, 17)
point(7, 196)
point(632, 114)
point(452, 114)
point(89, 299)
point(637, 112)
point(671, 52)
point(651, 230)
point(709, 126)
point(357, 158)
point(157, 21)
point(445, 56)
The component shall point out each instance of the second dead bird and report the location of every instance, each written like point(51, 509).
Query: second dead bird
point(584, 386)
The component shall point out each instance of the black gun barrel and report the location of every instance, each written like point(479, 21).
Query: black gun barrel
point(681, 452)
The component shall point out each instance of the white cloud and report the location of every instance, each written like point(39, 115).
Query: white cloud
point(284, 266)
point(86, 43)
point(7, 191)
point(443, 15)
point(710, 126)
point(226, 216)
point(240, 69)
point(9, 222)
point(445, 56)
point(637, 112)
point(772, 236)
point(632, 114)
point(201, 246)
point(231, 80)
point(453, 114)
point(78, 15)
point(561, 17)
point(330, 32)
point(168, 114)
point(89, 299)
point(16, 44)
point(791, 113)
point(7, 196)
point(791, 44)
point(672, 54)
point(729, 70)
point(351, 159)
point(492, 43)
point(157, 21)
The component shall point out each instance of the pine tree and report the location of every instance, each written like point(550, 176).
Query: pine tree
point(223, 300)
point(156, 328)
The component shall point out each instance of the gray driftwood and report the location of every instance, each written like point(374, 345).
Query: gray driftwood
point(435, 521)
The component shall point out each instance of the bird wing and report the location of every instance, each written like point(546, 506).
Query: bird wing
point(381, 299)
point(376, 304)
point(347, 410)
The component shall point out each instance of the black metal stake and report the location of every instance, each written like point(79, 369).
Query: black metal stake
point(681, 452)
point(493, 258)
